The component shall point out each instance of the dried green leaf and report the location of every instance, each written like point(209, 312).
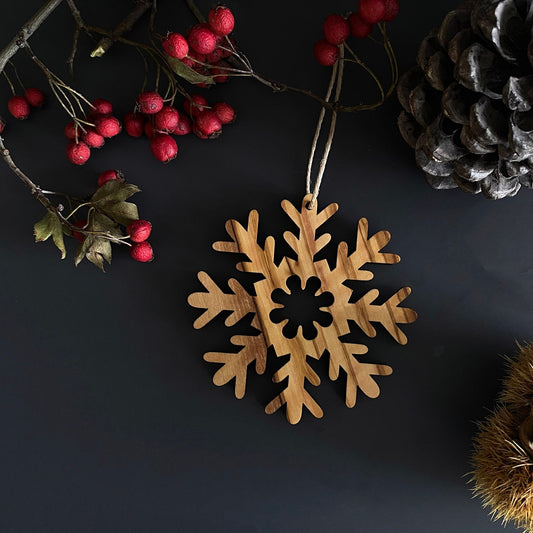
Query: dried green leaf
point(96, 248)
point(50, 226)
point(113, 191)
point(187, 73)
point(122, 212)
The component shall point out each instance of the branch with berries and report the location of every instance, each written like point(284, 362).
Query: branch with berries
point(166, 107)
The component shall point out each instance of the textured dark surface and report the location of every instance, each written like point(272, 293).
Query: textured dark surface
point(108, 416)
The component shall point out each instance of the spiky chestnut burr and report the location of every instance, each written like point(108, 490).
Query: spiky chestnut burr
point(503, 448)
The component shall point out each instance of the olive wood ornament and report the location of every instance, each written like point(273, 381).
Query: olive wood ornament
point(344, 310)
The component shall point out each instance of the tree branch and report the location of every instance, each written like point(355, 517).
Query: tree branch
point(125, 26)
point(195, 11)
point(34, 189)
point(26, 32)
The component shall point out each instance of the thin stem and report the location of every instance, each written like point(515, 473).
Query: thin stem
point(153, 13)
point(17, 75)
point(392, 58)
point(72, 55)
point(363, 65)
point(9, 81)
point(319, 129)
point(80, 25)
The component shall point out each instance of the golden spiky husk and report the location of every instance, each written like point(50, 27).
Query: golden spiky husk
point(503, 471)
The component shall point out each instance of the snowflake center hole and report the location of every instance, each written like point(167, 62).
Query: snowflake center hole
point(302, 307)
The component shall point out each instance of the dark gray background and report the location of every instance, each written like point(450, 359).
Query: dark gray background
point(109, 420)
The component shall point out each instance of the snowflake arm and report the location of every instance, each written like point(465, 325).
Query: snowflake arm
point(307, 245)
point(368, 250)
point(244, 241)
point(214, 301)
point(358, 375)
point(389, 314)
point(235, 365)
point(298, 371)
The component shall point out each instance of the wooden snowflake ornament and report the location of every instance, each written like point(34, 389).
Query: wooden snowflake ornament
point(326, 338)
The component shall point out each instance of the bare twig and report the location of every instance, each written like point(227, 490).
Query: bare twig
point(34, 189)
point(195, 11)
point(80, 25)
point(70, 59)
point(76, 15)
point(153, 14)
point(27, 31)
point(125, 26)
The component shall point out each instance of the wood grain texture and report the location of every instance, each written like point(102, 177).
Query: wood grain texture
point(297, 372)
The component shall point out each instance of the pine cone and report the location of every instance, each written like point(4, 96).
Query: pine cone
point(468, 103)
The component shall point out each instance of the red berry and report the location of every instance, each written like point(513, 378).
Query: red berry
point(142, 251)
point(189, 62)
point(18, 107)
point(224, 112)
point(391, 10)
point(92, 138)
point(197, 58)
point(202, 39)
point(220, 73)
point(163, 147)
point(195, 104)
point(78, 153)
point(359, 28)
point(198, 133)
point(175, 45)
point(107, 126)
point(102, 107)
point(134, 124)
point(167, 119)
point(326, 53)
point(215, 56)
point(336, 29)
point(149, 129)
point(149, 103)
point(225, 46)
point(139, 230)
point(221, 20)
point(70, 131)
point(372, 11)
point(80, 237)
point(108, 175)
point(2, 125)
point(183, 127)
point(34, 96)
point(208, 123)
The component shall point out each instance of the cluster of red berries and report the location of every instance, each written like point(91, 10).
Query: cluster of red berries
point(205, 47)
point(159, 122)
point(82, 137)
point(359, 24)
point(138, 231)
point(20, 106)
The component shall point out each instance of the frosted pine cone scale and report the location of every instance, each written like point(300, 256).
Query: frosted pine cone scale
point(468, 101)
